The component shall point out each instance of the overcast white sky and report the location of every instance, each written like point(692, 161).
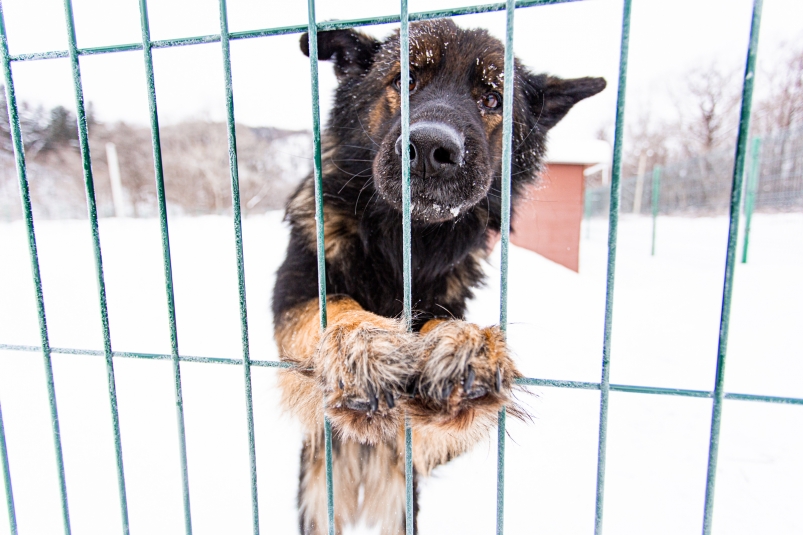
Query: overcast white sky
point(271, 76)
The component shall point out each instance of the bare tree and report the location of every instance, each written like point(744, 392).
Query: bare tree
point(782, 106)
point(707, 110)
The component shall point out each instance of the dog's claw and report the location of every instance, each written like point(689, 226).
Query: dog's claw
point(469, 379)
point(498, 380)
point(374, 401)
point(447, 390)
point(340, 384)
point(389, 400)
point(358, 405)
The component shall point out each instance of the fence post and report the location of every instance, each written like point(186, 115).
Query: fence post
point(656, 195)
point(752, 186)
point(587, 210)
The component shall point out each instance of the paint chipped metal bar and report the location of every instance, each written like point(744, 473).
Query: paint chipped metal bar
point(507, 149)
point(404, 86)
point(89, 186)
point(238, 243)
point(730, 261)
point(752, 185)
point(168, 267)
point(312, 34)
point(12, 514)
point(25, 198)
point(616, 186)
point(284, 30)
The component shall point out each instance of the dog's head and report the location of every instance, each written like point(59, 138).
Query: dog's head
point(456, 86)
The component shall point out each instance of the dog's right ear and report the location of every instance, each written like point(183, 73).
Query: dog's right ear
point(352, 51)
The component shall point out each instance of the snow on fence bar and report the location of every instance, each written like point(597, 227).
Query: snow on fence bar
point(146, 46)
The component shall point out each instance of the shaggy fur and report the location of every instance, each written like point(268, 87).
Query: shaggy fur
point(451, 377)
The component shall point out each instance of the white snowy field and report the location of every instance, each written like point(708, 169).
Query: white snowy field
point(665, 327)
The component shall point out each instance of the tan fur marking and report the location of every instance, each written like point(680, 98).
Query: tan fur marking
point(452, 351)
point(431, 324)
point(338, 227)
point(384, 489)
point(345, 482)
point(492, 122)
point(358, 358)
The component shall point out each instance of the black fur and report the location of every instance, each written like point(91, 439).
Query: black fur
point(361, 181)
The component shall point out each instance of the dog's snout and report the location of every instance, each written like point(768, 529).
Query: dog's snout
point(436, 149)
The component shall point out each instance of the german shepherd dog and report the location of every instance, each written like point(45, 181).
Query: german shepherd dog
point(449, 376)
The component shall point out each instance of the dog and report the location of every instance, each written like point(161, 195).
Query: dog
point(449, 377)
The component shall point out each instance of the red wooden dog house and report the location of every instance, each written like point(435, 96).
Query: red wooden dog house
point(547, 220)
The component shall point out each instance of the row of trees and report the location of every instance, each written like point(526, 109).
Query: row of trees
point(195, 161)
point(706, 113)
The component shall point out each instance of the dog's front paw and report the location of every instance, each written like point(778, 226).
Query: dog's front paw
point(464, 366)
point(366, 366)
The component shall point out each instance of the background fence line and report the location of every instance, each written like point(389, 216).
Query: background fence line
point(702, 184)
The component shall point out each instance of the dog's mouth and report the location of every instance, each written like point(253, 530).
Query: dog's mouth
point(449, 171)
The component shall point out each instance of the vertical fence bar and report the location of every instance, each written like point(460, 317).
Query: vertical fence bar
point(168, 266)
point(404, 60)
point(752, 185)
point(27, 213)
point(11, 101)
point(12, 514)
point(312, 33)
point(613, 226)
point(656, 197)
point(89, 186)
point(507, 147)
point(238, 242)
point(730, 261)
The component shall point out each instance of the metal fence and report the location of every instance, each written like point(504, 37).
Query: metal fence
point(717, 394)
point(702, 185)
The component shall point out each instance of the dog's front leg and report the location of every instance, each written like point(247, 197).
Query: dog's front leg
point(360, 364)
point(465, 378)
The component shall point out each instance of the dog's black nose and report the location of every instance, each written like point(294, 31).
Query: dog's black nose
point(435, 149)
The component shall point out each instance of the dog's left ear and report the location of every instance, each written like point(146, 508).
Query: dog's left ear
point(551, 98)
point(352, 52)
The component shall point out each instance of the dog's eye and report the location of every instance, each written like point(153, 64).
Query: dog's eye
point(397, 82)
point(492, 101)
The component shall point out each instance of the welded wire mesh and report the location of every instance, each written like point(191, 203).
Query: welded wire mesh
point(612, 200)
point(702, 185)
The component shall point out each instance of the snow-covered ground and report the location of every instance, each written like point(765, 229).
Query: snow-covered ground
point(665, 329)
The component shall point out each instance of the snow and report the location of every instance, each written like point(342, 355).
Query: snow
point(665, 329)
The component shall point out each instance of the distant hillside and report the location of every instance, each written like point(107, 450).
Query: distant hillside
point(195, 160)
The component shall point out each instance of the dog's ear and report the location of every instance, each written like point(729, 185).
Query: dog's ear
point(352, 52)
point(551, 98)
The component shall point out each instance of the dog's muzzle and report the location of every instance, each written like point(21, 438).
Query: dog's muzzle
point(436, 150)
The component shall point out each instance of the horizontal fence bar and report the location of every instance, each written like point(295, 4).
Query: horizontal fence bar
point(147, 356)
point(285, 30)
point(524, 381)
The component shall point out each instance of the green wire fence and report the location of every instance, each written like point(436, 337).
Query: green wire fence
point(313, 27)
